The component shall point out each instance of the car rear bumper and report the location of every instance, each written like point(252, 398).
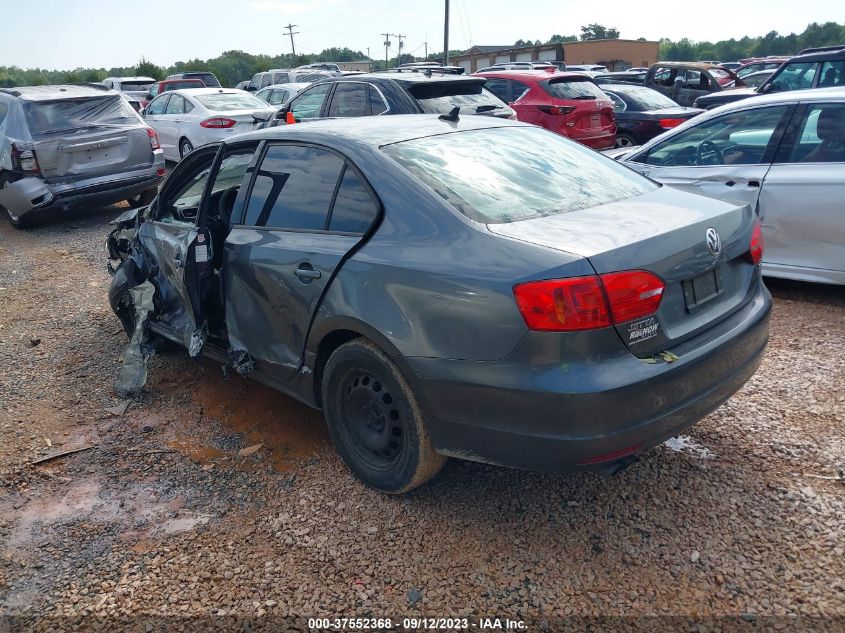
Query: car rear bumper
point(32, 197)
point(531, 412)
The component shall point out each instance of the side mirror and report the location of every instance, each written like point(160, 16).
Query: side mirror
point(765, 88)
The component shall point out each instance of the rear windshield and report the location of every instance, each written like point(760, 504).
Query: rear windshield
point(227, 101)
point(441, 98)
point(648, 99)
point(67, 115)
point(572, 88)
point(178, 85)
point(508, 174)
point(207, 78)
point(136, 86)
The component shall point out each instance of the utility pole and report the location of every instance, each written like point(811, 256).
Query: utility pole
point(446, 36)
point(369, 61)
point(386, 46)
point(426, 47)
point(399, 58)
point(290, 28)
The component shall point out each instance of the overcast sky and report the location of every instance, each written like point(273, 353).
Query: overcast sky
point(64, 34)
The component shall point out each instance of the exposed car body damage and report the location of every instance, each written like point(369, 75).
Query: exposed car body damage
point(133, 371)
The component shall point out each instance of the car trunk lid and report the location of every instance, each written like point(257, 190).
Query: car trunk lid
point(666, 235)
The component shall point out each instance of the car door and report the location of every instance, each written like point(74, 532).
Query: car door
point(725, 157)
point(172, 121)
point(293, 234)
point(802, 203)
point(154, 117)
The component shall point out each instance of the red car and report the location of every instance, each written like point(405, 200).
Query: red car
point(169, 84)
point(567, 103)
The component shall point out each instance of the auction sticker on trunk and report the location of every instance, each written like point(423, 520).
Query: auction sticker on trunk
point(640, 331)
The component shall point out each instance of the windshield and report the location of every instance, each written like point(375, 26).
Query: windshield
point(794, 76)
point(227, 101)
point(207, 78)
point(47, 117)
point(509, 174)
point(188, 83)
point(573, 88)
point(441, 98)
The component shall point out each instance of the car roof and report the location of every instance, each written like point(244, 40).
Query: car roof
point(58, 91)
point(701, 65)
point(376, 132)
point(137, 78)
point(410, 78)
point(171, 81)
point(536, 75)
point(198, 92)
point(821, 53)
point(288, 86)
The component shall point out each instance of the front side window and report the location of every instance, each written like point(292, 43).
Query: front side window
point(154, 91)
point(664, 76)
point(176, 105)
point(278, 97)
point(293, 188)
point(618, 103)
point(794, 76)
point(181, 204)
point(737, 138)
point(309, 104)
point(822, 138)
point(832, 74)
point(266, 80)
point(516, 173)
point(158, 106)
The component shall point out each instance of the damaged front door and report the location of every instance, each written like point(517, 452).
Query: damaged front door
point(307, 209)
point(177, 252)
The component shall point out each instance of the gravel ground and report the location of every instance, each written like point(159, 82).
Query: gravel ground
point(175, 516)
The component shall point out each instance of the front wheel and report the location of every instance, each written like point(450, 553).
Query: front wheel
point(375, 421)
point(185, 148)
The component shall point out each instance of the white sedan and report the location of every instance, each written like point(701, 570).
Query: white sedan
point(280, 94)
point(187, 118)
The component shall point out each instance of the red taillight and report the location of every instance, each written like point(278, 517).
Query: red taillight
point(668, 124)
point(755, 249)
point(556, 109)
point(587, 303)
point(154, 144)
point(24, 160)
point(633, 294)
point(218, 122)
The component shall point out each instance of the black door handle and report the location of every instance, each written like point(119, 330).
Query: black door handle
point(730, 183)
point(754, 183)
point(306, 272)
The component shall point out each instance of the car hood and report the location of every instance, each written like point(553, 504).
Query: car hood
point(618, 153)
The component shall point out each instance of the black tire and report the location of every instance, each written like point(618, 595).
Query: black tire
point(375, 421)
point(185, 148)
point(18, 223)
point(143, 199)
point(625, 140)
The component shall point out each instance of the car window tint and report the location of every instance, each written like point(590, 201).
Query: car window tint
point(736, 138)
point(498, 87)
point(293, 188)
point(181, 203)
point(663, 76)
point(350, 99)
point(309, 104)
point(278, 97)
point(377, 104)
point(518, 90)
point(832, 74)
point(266, 80)
point(794, 76)
point(573, 88)
point(354, 208)
point(154, 90)
point(822, 138)
point(516, 173)
point(281, 78)
point(176, 105)
point(232, 168)
point(618, 103)
point(158, 106)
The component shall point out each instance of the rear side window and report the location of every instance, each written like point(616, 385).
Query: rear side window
point(176, 105)
point(354, 208)
point(281, 78)
point(350, 99)
point(440, 98)
point(266, 80)
point(46, 117)
point(573, 88)
point(822, 138)
point(516, 173)
point(293, 188)
point(377, 104)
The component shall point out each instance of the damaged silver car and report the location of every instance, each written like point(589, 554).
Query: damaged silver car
point(66, 146)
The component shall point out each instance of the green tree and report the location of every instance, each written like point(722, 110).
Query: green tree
point(598, 32)
point(561, 39)
point(148, 69)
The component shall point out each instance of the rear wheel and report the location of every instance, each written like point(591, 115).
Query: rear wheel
point(185, 148)
point(18, 223)
point(375, 421)
point(143, 199)
point(625, 140)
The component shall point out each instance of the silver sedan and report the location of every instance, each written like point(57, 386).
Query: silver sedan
point(783, 154)
point(190, 117)
point(280, 94)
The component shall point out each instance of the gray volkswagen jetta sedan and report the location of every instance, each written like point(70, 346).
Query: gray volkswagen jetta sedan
point(449, 286)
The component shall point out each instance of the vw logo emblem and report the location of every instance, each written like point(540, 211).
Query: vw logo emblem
point(714, 242)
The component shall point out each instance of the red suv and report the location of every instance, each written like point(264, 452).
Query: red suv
point(169, 84)
point(567, 103)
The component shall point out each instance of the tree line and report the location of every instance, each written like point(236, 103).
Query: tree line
point(234, 66)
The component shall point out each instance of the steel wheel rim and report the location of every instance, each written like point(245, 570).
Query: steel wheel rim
point(373, 420)
point(623, 141)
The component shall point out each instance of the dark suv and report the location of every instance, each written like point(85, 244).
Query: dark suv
point(811, 68)
point(209, 79)
point(394, 93)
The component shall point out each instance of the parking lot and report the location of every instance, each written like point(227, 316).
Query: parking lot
point(213, 496)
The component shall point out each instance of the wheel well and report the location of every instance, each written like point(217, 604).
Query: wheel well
point(325, 349)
